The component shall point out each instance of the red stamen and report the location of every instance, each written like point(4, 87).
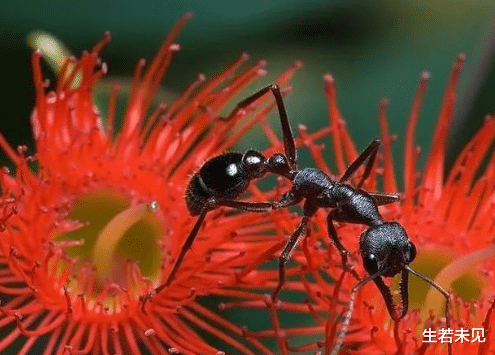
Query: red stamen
point(136, 83)
point(64, 74)
point(185, 97)
point(40, 330)
point(279, 334)
point(485, 346)
point(9, 151)
point(336, 122)
point(38, 84)
point(107, 37)
point(410, 154)
point(389, 184)
point(160, 58)
point(131, 339)
point(55, 336)
point(111, 109)
point(433, 174)
point(316, 150)
point(114, 334)
point(212, 317)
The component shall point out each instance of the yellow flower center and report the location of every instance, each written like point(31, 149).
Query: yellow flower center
point(452, 273)
point(115, 231)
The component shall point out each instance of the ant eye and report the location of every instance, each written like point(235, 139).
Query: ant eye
point(412, 252)
point(370, 264)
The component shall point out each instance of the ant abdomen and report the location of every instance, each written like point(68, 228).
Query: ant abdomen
point(222, 177)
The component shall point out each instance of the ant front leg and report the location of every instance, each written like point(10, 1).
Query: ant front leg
point(344, 254)
point(185, 247)
point(246, 206)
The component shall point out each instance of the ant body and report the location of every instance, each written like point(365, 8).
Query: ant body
point(385, 247)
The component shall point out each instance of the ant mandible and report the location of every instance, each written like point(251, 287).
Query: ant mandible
point(385, 247)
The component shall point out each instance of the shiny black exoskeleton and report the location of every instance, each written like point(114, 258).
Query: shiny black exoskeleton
point(384, 246)
point(222, 178)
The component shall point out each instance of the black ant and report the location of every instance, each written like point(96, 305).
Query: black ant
point(385, 247)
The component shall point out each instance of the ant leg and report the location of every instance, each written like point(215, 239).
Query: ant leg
point(404, 292)
point(246, 206)
point(289, 145)
point(370, 152)
point(369, 164)
point(288, 199)
point(309, 210)
point(240, 205)
point(384, 199)
point(344, 254)
point(282, 260)
point(348, 313)
point(248, 101)
point(185, 247)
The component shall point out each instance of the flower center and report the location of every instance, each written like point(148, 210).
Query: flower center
point(453, 274)
point(460, 277)
point(115, 232)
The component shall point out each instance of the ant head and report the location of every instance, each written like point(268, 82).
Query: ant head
point(254, 164)
point(386, 248)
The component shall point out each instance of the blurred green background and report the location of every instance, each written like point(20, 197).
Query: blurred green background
point(374, 49)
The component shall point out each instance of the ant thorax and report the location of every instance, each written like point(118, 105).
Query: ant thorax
point(311, 182)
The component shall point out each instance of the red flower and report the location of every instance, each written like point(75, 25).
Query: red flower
point(91, 223)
